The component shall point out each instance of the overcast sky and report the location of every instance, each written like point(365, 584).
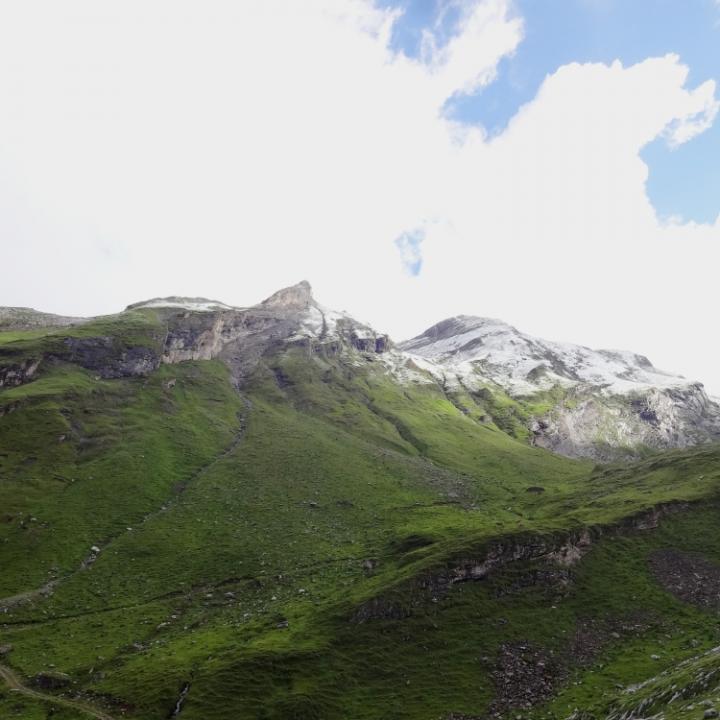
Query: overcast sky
point(554, 164)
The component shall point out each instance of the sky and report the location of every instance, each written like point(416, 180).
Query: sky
point(554, 163)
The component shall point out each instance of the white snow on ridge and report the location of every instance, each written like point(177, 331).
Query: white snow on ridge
point(186, 304)
point(319, 321)
point(470, 350)
point(476, 349)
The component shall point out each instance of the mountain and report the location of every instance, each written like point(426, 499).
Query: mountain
point(593, 403)
point(187, 329)
point(221, 513)
point(567, 398)
point(202, 329)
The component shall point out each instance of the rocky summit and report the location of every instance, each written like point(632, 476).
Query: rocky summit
point(567, 398)
point(277, 512)
point(594, 403)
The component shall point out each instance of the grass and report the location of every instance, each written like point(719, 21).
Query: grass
point(14, 706)
point(135, 328)
point(240, 535)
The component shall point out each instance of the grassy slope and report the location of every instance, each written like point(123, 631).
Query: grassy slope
point(16, 706)
point(138, 327)
point(335, 467)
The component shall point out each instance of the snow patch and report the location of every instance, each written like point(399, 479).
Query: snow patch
point(191, 305)
point(323, 323)
point(481, 349)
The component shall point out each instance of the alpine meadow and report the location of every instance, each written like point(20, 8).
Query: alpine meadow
point(274, 512)
point(429, 486)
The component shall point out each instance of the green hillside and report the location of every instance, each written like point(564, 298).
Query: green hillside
point(325, 542)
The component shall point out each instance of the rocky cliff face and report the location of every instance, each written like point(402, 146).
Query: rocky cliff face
point(606, 403)
point(17, 373)
point(569, 399)
point(107, 358)
point(200, 329)
point(606, 427)
point(195, 329)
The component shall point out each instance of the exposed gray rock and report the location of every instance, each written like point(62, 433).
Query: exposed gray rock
point(607, 404)
point(18, 373)
point(51, 680)
point(689, 577)
point(20, 318)
point(605, 427)
point(524, 676)
point(242, 336)
point(202, 329)
point(105, 357)
point(553, 554)
point(297, 297)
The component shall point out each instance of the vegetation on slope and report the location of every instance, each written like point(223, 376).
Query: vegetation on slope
point(284, 553)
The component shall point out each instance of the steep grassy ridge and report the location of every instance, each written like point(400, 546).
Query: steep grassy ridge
point(284, 552)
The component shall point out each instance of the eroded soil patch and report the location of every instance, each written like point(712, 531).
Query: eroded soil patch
point(525, 675)
point(687, 576)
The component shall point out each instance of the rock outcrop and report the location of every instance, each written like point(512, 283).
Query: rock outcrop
point(17, 373)
point(198, 329)
point(105, 357)
point(21, 318)
point(606, 427)
point(296, 298)
point(606, 404)
point(554, 554)
point(565, 398)
point(689, 577)
point(201, 330)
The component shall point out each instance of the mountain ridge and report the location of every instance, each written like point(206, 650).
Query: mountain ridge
point(568, 398)
point(273, 512)
point(299, 297)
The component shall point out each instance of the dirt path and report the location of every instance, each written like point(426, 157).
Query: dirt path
point(47, 589)
point(14, 683)
point(180, 489)
point(28, 595)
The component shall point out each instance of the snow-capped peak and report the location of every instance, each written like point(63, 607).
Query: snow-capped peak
point(477, 349)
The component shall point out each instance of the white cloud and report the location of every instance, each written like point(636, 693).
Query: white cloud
point(225, 149)
point(485, 33)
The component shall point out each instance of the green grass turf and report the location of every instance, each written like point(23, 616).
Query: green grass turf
point(222, 517)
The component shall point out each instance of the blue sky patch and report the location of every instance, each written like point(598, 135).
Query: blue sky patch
point(420, 16)
point(410, 252)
